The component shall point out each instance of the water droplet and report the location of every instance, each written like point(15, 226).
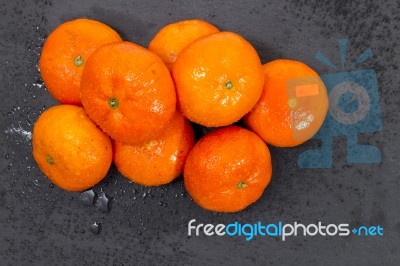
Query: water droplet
point(163, 204)
point(95, 228)
point(102, 202)
point(87, 197)
point(36, 182)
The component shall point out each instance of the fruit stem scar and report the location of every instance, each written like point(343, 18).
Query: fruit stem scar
point(229, 85)
point(113, 103)
point(292, 103)
point(241, 185)
point(49, 160)
point(149, 144)
point(78, 61)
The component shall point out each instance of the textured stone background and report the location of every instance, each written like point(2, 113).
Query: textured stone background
point(41, 224)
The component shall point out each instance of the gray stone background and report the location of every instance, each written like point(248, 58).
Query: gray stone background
point(41, 224)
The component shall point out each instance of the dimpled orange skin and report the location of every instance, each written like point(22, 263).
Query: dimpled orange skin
point(71, 39)
point(271, 117)
point(159, 161)
point(228, 169)
point(218, 79)
point(128, 91)
point(70, 149)
point(171, 39)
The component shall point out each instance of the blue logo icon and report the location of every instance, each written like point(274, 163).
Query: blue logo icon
point(353, 109)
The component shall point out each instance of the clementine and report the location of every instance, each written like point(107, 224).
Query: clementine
point(128, 91)
point(70, 149)
point(228, 169)
point(293, 104)
point(218, 79)
point(65, 52)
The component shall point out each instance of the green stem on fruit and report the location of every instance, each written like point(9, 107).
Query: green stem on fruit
point(113, 103)
point(49, 160)
point(241, 185)
point(78, 61)
point(229, 85)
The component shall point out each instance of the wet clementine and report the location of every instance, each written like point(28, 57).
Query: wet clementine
point(293, 104)
point(228, 169)
point(65, 52)
point(160, 160)
point(70, 149)
point(218, 79)
point(128, 91)
point(172, 38)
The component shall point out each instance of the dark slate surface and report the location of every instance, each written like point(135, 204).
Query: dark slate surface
point(41, 224)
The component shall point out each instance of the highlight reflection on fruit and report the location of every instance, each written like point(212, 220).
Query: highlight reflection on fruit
point(218, 79)
point(160, 160)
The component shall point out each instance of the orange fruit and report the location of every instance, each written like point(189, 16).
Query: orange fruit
point(65, 52)
point(158, 161)
point(171, 39)
point(128, 91)
point(293, 104)
point(228, 169)
point(70, 149)
point(218, 79)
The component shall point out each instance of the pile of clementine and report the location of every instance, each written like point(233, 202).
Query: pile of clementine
point(135, 106)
